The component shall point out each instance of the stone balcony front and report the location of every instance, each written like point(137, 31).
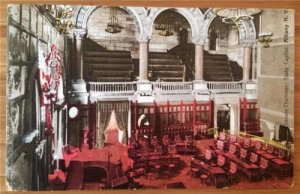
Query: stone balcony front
point(145, 91)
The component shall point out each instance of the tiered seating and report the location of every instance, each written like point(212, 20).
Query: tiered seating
point(165, 67)
point(106, 66)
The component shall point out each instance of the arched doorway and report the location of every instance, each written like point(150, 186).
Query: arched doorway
point(223, 117)
point(171, 35)
point(111, 50)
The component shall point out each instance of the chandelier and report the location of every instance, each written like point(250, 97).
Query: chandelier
point(165, 29)
point(113, 26)
point(61, 15)
point(234, 16)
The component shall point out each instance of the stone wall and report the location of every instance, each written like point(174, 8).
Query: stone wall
point(276, 71)
point(126, 40)
point(26, 26)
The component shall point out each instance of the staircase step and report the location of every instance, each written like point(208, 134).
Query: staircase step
point(164, 61)
point(122, 73)
point(107, 60)
point(112, 66)
point(168, 73)
point(111, 79)
point(119, 54)
point(158, 55)
point(166, 67)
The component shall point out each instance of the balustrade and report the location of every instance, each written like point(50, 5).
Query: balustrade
point(163, 88)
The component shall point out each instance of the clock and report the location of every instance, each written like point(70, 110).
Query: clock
point(73, 112)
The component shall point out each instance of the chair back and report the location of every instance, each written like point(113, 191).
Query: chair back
point(247, 142)
point(263, 164)
point(258, 145)
point(233, 168)
point(222, 136)
point(232, 148)
point(270, 149)
point(221, 160)
point(208, 154)
point(233, 138)
point(220, 145)
point(253, 157)
point(243, 153)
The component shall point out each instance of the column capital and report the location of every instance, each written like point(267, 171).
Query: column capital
point(143, 38)
point(198, 40)
point(78, 33)
point(247, 42)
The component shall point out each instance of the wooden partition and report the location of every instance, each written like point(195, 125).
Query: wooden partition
point(176, 118)
point(249, 117)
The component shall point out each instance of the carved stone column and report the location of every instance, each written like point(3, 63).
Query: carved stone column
point(78, 92)
point(79, 35)
point(144, 51)
point(247, 53)
point(199, 57)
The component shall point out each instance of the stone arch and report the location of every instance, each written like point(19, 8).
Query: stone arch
point(138, 13)
point(246, 30)
point(193, 15)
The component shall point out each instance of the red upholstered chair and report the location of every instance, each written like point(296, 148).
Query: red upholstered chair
point(263, 164)
point(243, 154)
point(158, 150)
point(166, 140)
point(253, 157)
point(258, 145)
point(221, 160)
point(232, 173)
point(247, 142)
point(232, 149)
point(154, 141)
point(177, 139)
point(281, 153)
point(208, 155)
point(270, 149)
point(233, 138)
point(172, 149)
point(222, 136)
point(188, 140)
point(220, 145)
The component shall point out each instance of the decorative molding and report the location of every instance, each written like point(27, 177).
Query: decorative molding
point(143, 38)
point(199, 40)
point(78, 33)
point(247, 42)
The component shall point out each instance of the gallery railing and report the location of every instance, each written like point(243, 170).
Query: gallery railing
point(112, 88)
point(172, 87)
point(225, 87)
point(163, 88)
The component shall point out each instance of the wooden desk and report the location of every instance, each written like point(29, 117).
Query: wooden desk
point(216, 173)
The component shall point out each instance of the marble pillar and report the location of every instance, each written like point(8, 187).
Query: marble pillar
point(144, 51)
point(199, 57)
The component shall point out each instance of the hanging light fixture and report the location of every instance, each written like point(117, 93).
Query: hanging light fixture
point(63, 18)
point(167, 31)
point(164, 27)
point(234, 16)
point(113, 26)
point(61, 15)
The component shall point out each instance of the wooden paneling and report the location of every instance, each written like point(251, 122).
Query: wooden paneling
point(292, 4)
